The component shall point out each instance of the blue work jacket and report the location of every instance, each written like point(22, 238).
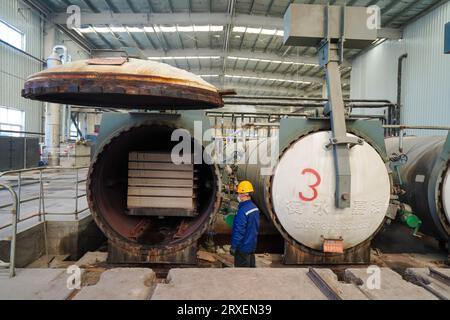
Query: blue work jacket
point(245, 227)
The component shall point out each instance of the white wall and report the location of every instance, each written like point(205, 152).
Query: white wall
point(15, 67)
point(426, 77)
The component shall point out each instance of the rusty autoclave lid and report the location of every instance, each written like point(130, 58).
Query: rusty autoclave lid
point(122, 83)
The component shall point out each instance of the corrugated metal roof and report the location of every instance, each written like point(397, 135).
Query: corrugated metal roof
point(258, 41)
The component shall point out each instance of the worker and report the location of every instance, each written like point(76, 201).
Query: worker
point(245, 228)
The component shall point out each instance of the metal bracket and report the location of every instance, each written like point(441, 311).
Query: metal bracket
point(124, 53)
point(330, 57)
point(350, 142)
point(338, 125)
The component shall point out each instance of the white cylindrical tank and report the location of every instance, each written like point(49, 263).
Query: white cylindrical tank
point(299, 195)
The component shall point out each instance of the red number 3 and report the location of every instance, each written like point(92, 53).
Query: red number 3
point(313, 186)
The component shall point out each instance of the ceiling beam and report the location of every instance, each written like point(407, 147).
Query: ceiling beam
point(228, 30)
point(272, 91)
point(206, 18)
point(45, 12)
point(42, 8)
point(247, 54)
point(107, 17)
point(263, 89)
point(84, 43)
point(262, 75)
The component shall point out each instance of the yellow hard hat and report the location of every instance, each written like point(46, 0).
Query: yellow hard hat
point(245, 187)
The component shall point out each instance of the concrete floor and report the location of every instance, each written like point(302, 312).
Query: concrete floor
point(100, 281)
point(216, 284)
point(58, 187)
point(34, 284)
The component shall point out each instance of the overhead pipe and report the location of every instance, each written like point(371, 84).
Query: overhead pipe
point(306, 104)
point(298, 98)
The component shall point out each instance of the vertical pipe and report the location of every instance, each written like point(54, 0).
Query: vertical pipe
point(86, 125)
point(25, 151)
point(19, 188)
point(52, 129)
point(400, 145)
point(68, 122)
point(63, 123)
point(76, 196)
point(395, 116)
point(215, 126)
point(12, 253)
point(40, 196)
point(53, 112)
point(53, 120)
point(44, 220)
point(12, 258)
point(221, 126)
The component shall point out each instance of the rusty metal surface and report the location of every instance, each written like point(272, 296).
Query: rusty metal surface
point(294, 255)
point(107, 61)
point(117, 254)
point(114, 83)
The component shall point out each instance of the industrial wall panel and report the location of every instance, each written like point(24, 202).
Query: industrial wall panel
point(12, 151)
point(15, 66)
point(5, 149)
point(33, 152)
point(17, 153)
point(425, 93)
point(447, 38)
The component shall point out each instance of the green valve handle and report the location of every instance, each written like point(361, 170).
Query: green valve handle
point(229, 219)
point(411, 220)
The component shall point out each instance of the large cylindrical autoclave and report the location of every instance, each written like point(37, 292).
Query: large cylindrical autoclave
point(425, 178)
point(299, 194)
point(144, 202)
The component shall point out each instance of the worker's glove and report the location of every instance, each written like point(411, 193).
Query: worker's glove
point(232, 251)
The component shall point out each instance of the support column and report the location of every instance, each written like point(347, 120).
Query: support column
point(52, 123)
point(52, 129)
